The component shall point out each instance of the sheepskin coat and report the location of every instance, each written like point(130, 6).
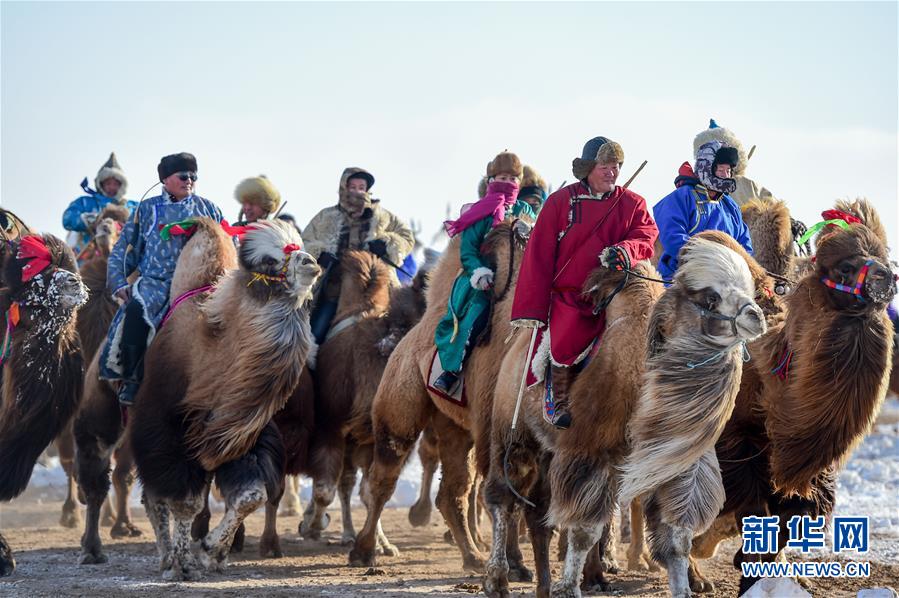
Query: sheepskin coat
point(573, 228)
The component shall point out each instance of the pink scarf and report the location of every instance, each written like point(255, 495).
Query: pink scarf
point(500, 197)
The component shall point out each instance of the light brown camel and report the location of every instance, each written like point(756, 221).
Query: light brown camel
point(403, 405)
point(198, 413)
point(93, 321)
point(520, 459)
point(372, 317)
point(821, 375)
point(42, 370)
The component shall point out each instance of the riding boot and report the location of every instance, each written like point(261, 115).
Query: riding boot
point(562, 378)
point(132, 372)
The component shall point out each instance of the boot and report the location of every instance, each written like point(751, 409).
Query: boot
point(446, 382)
point(132, 373)
point(561, 383)
point(127, 392)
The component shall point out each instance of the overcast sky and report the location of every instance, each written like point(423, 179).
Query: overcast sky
point(424, 94)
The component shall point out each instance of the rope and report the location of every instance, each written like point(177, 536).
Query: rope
point(605, 302)
point(720, 354)
point(509, 482)
point(649, 278)
point(181, 299)
point(750, 458)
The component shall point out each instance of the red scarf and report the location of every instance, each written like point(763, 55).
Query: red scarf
point(34, 249)
point(500, 197)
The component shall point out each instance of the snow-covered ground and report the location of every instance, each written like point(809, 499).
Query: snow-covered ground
point(868, 485)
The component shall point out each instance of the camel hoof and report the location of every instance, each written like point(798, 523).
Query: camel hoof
point(597, 586)
point(420, 514)
point(611, 566)
point(125, 530)
point(702, 586)
point(187, 573)
point(348, 539)
point(313, 532)
point(496, 583)
point(270, 547)
point(448, 538)
point(520, 573)
point(388, 550)
point(7, 565)
point(289, 511)
point(92, 557)
point(562, 589)
point(70, 518)
point(361, 558)
point(636, 565)
point(474, 564)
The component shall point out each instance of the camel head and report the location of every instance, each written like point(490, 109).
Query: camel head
point(719, 285)
point(271, 253)
point(853, 264)
point(41, 277)
point(107, 228)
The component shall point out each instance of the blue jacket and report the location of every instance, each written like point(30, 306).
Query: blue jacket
point(88, 204)
point(142, 248)
point(687, 211)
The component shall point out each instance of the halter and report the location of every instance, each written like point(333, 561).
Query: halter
point(281, 277)
point(855, 290)
point(713, 315)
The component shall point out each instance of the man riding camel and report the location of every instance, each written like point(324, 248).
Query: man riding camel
point(258, 199)
point(357, 222)
point(150, 243)
point(111, 186)
point(581, 226)
point(701, 200)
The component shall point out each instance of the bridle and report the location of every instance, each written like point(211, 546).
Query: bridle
point(713, 315)
point(854, 290)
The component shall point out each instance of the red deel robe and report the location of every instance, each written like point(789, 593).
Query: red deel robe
point(563, 249)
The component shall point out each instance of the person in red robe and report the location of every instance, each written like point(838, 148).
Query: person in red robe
point(581, 226)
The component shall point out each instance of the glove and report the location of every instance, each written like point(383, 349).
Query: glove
point(482, 279)
point(377, 247)
point(88, 218)
point(525, 323)
point(615, 258)
point(522, 228)
point(326, 258)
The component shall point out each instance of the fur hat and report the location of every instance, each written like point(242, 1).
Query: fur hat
point(504, 163)
point(598, 150)
point(482, 187)
point(174, 163)
point(112, 170)
point(258, 191)
point(532, 184)
point(727, 138)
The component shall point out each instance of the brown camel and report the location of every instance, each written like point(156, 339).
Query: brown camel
point(403, 405)
point(801, 415)
point(198, 414)
point(93, 321)
point(520, 459)
point(372, 317)
point(42, 369)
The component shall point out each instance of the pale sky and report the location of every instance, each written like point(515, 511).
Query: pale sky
point(425, 94)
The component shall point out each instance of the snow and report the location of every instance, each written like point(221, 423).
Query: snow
point(776, 587)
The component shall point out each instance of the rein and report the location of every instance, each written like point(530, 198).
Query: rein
point(182, 298)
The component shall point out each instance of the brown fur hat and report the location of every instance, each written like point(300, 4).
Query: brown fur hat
point(598, 150)
point(482, 187)
point(727, 138)
point(258, 191)
point(505, 163)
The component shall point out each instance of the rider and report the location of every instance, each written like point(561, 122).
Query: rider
point(258, 199)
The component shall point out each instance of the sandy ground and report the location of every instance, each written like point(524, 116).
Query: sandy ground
point(47, 558)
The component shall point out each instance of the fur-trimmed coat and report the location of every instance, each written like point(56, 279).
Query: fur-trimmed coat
point(573, 228)
point(333, 231)
point(77, 216)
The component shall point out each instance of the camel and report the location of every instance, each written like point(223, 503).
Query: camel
point(42, 367)
point(520, 459)
point(800, 417)
point(403, 406)
point(372, 317)
point(93, 321)
point(198, 415)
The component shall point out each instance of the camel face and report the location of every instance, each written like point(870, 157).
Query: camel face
point(69, 290)
point(718, 282)
point(854, 265)
point(273, 250)
point(106, 233)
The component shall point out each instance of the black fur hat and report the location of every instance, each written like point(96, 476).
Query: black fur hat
point(173, 163)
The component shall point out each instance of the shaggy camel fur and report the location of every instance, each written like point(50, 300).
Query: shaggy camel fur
point(196, 413)
point(372, 317)
point(42, 369)
point(403, 406)
point(770, 228)
point(93, 321)
point(534, 445)
point(822, 373)
point(697, 338)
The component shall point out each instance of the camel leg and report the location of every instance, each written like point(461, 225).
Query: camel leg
point(704, 546)
point(159, 516)
point(398, 419)
point(7, 561)
point(107, 513)
point(609, 546)
point(290, 504)
point(200, 527)
point(345, 493)
point(452, 496)
point(324, 488)
point(269, 542)
point(184, 565)
point(496, 580)
point(540, 532)
point(637, 557)
point(420, 512)
point(65, 446)
point(474, 513)
point(92, 470)
point(239, 503)
point(670, 545)
point(580, 541)
point(123, 481)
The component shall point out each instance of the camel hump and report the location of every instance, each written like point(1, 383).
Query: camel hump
point(204, 259)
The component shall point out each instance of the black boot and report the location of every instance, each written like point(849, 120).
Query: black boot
point(446, 382)
point(561, 384)
point(132, 372)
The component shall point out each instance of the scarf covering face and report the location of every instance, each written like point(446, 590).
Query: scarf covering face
point(500, 197)
point(354, 202)
point(705, 158)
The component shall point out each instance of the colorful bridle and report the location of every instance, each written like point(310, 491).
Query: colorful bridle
point(855, 289)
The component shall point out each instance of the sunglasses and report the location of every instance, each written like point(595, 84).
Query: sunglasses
point(183, 176)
